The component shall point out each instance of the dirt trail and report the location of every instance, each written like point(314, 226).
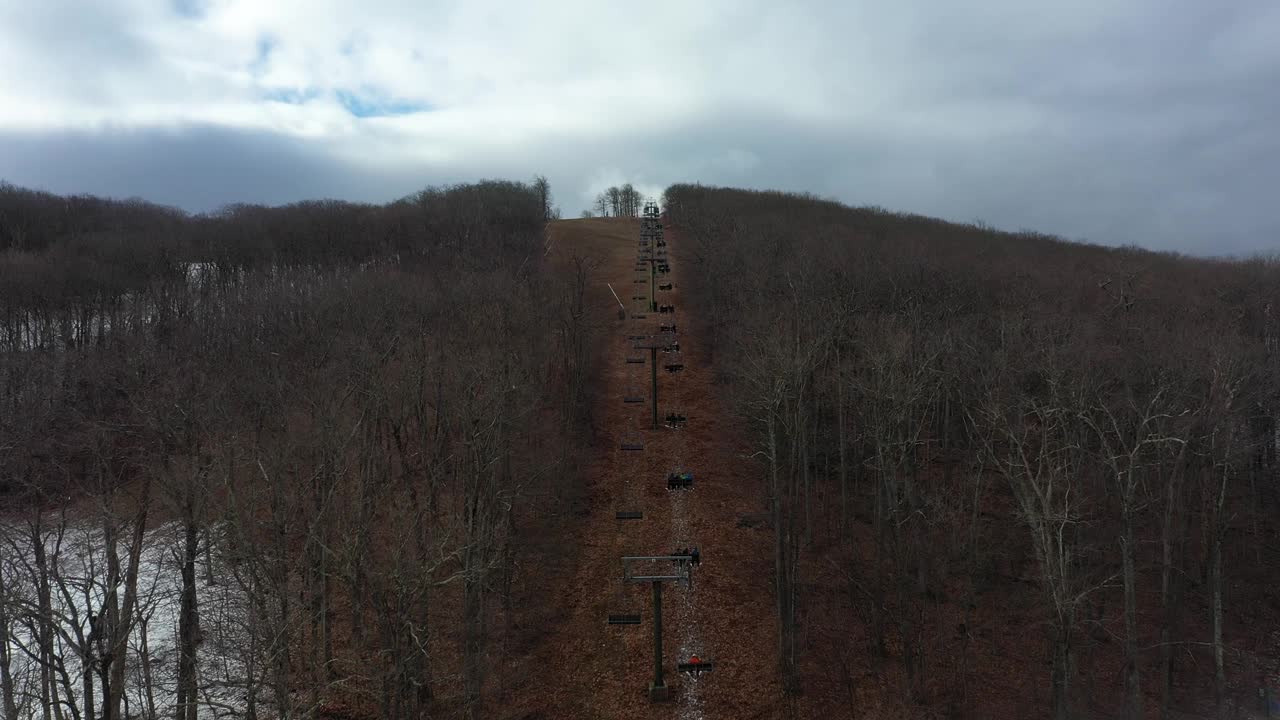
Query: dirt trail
point(592, 670)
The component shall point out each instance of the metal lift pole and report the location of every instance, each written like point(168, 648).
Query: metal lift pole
point(657, 634)
point(653, 374)
point(653, 295)
point(670, 568)
point(653, 343)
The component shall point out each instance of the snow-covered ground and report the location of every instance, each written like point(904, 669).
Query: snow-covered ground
point(77, 575)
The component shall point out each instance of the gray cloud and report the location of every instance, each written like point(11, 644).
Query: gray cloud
point(1144, 122)
point(197, 169)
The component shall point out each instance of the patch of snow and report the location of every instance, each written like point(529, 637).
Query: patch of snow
point(77, 567)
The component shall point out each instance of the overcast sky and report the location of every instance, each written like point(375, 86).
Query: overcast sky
point(1155, 122)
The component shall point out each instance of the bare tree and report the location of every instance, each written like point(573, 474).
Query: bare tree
point(1034, 445)
point(542, 187)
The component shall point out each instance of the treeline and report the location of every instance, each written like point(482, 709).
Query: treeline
point(114, 232)
point(948, 415)
point(616, 201)
point(276, 462)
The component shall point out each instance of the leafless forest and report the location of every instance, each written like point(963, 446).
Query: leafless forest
point(275, 462)
point(990, 456)
point(327, 459)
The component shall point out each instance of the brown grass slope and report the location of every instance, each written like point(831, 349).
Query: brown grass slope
point(584, 668)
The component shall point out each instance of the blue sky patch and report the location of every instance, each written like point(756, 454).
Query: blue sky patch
point(367, 103)
point(191, 9)
point(292, 96)
point(266, 44)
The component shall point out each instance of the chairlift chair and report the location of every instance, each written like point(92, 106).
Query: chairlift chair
point(679, 480)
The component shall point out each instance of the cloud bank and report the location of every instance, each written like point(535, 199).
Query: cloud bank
point(1149, 122)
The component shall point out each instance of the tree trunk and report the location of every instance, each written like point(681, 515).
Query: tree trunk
point(782, 588)
point(1061, 673)
point(419, 664)
point(209, 578)
point(1219, 673)
point(148, 684)
point(1132, 680)
point(110, 618)
point(1219, 529)
point(1168, 577)
point(841, 441)
point(802, 435)
point(123, 622)
point(188, 621)
point(8, 700)
point(877, 604)
point(50, 706)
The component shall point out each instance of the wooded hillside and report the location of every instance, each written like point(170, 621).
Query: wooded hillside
point(1009, 475)
point(344, 460)
point(278, 461)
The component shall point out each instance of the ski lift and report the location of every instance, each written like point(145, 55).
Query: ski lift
point(696, 665)
point(633, 395)
point(688, 555)
point(622, 599)
point(679, 480)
